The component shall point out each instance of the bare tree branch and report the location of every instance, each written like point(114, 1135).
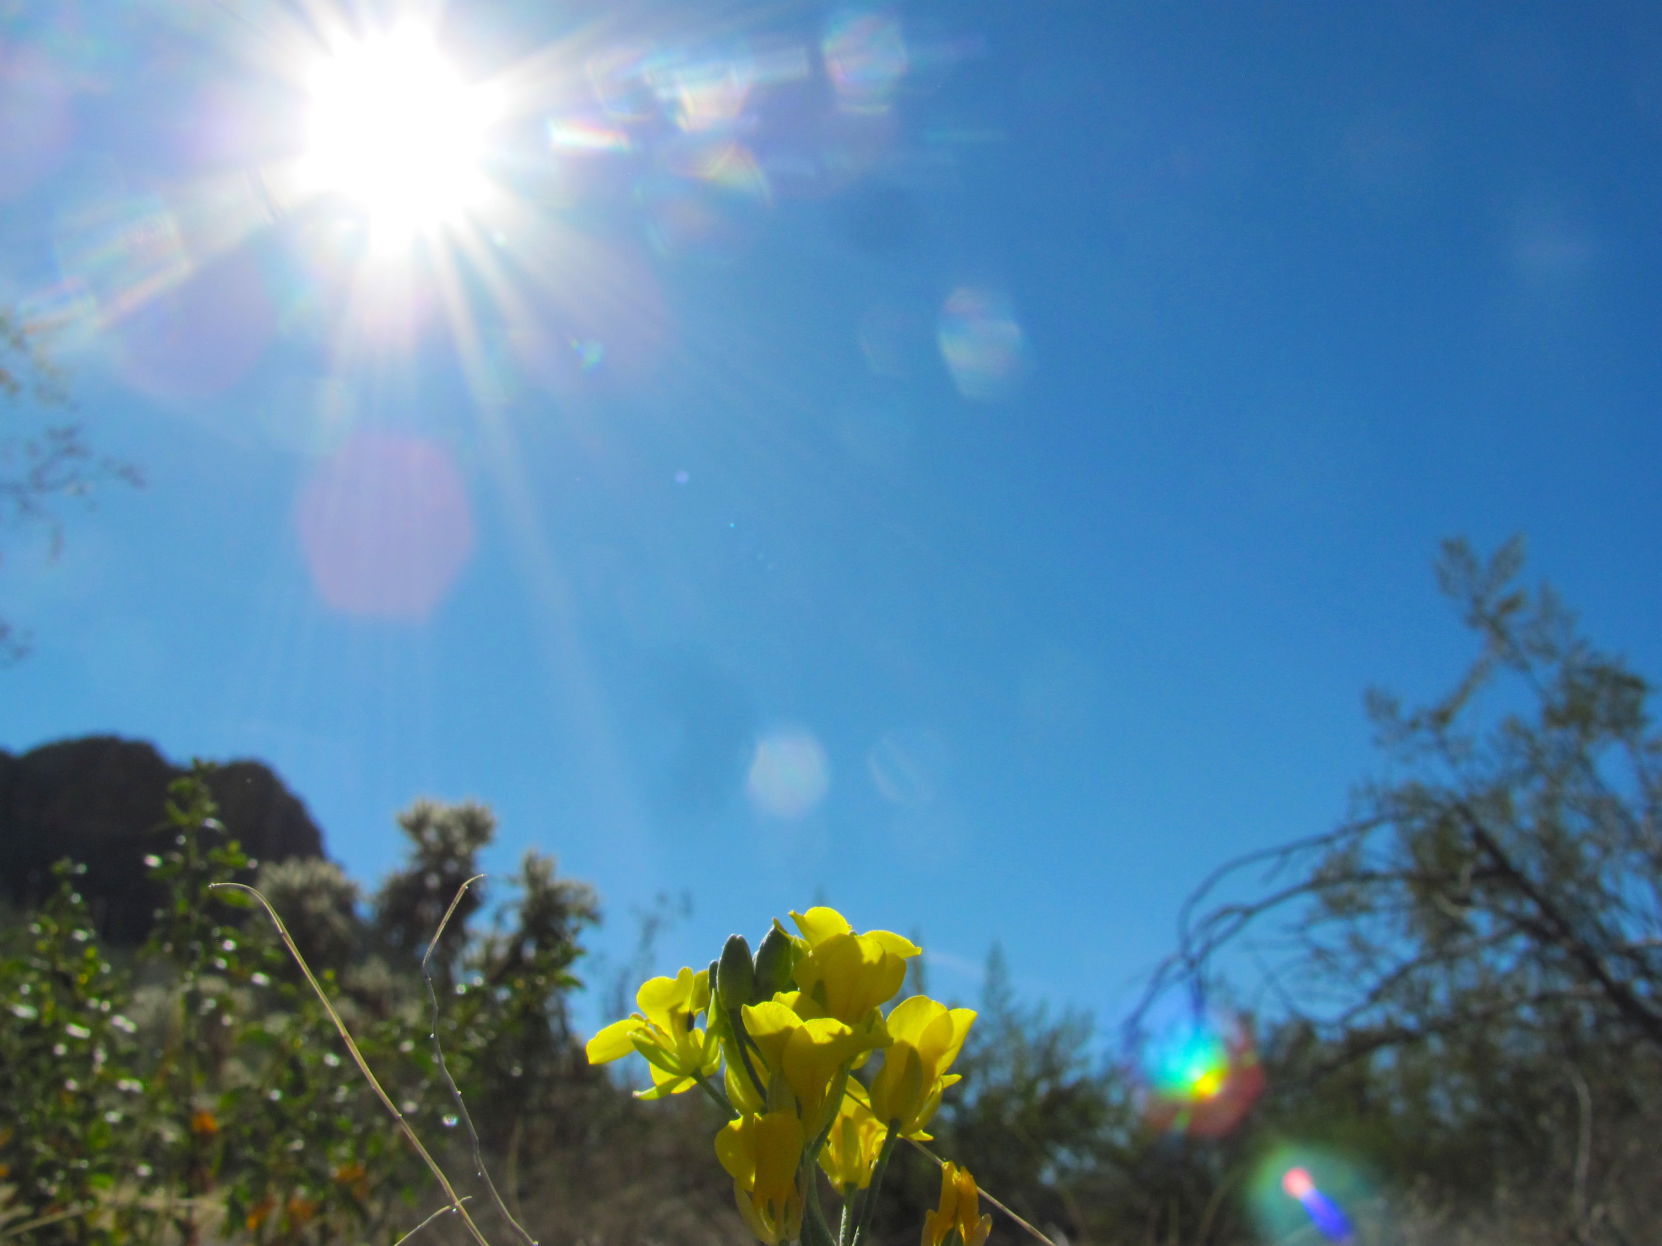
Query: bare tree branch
point(41, 466)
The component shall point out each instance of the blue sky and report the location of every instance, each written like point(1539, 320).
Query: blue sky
point(963, 462)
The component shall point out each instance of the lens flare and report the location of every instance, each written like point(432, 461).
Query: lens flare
point(1298, 1188)
point(789, 774)
point(707, 95)
point(1324, 1213)
point(906, 766)
point(386, 527)
point(1202, 1076)
point(706, 199)
point(866, 59)
point(982, 344)
point(1192, 1065)
point(581, 135)
point(121, 250)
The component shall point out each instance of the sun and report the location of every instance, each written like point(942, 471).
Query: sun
point(393, 129)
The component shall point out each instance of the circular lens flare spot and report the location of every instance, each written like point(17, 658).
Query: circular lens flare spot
point(1297, 1183)
point(386, 527)
point(1298, 1188)
point(789, 774)
point(1190, 1064)
point(394, 130)
point(198, 338)
point(865, 58)
point(1202, 1076)
point(982, 344)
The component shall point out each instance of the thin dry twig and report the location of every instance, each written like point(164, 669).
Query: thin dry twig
point(446, 1210)
point(1021, 1221)
point(465, 1116)
point(404, 1127)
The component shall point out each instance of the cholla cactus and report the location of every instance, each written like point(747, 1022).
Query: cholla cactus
point(780, 1039)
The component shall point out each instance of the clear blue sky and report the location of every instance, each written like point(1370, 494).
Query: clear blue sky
point(960, 461)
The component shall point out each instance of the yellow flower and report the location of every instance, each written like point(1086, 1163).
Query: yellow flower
point(852, 1147)
point(925, 1037)
point(762, 1154)
point(679, 1054)
point(847, 975)
point(810, 1056)
point(959, 1212)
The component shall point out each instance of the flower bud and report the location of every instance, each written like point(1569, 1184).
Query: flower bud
point(774, 960)
point(737, 976)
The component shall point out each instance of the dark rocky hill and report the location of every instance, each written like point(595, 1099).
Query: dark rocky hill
point(100, 801)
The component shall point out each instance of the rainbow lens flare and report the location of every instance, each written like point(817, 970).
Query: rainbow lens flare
point(789, 774)
point(1299, 1188)
point(1324, 1213)
point(982, 344)
point(1202, 1077)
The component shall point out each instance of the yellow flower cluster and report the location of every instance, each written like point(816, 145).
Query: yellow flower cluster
point(788, 1031)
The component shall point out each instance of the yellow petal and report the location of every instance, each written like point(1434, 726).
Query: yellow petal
point(910, 1017)
point(939, 1223)
point(778, 1142)
point(962, 1019)
point(770, 1025)
point(613, 1042)
point(820, 923)
point(660, 999)
point(734, 1152)
point(935, 1030)
point(849, 975)
point(665, 1084)
point(761, 1154)
point(898, 1091)
point(852, 1147)
point(889, 941)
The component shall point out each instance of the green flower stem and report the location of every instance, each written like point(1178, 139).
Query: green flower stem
point(816, 1230)
point(853, 1206)
point(716, 1096)
point(878, 1173)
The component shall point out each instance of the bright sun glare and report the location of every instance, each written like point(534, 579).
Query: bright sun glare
point(394, 129)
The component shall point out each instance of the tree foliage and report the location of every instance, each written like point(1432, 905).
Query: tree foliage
point(1036, 1114)
point(1463, 996)
point(194, 1091)
point(1468, 971)
point(1510, 875)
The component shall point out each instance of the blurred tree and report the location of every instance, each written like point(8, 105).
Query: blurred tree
point(1035, 1114)
point(318, 904)
point(1471, 966)
point(445, 841)
point(1513, 876)
point(40, 464)
point(517, 1039)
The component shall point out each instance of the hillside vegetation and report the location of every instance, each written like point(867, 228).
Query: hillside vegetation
point(1456, 1035)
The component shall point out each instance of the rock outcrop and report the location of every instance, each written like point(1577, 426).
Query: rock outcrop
point(100, 801)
